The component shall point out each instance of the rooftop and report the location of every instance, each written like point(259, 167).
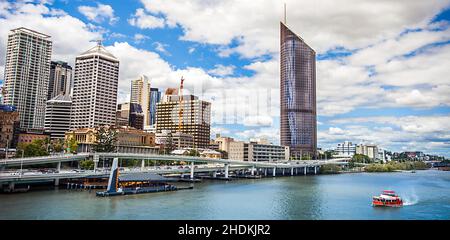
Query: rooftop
point(99, 49)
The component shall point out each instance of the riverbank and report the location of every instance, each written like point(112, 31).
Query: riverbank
point(395, 166)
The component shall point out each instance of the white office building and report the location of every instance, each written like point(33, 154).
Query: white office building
point(346, 149)
point(27, 71)
point(95, 86)
point(257, 152)
point(57, 116)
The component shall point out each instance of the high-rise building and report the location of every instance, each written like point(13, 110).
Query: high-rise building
point(57, 116)
point(27, 71)
point(155, 98)
point(60, 79)
point(136, 118)
point(195, 118)
point(123, 115)
point(298, 128)
point(95, 85)
point(140, 94)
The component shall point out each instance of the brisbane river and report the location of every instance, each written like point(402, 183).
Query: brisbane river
point(343, 196)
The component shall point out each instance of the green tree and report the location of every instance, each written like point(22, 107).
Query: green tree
point(71, 145)
point(169, 146)
point(105, 139)
point(360, 158)
point(34, 149)
point(57, 145)
point(87, 164)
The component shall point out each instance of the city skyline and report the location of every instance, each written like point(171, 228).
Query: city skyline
point(378, 105)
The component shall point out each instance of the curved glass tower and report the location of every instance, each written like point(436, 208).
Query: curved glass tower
point(298, 128)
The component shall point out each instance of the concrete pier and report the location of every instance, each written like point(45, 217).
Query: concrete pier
point(142, 165)
point(305, 170)
point(58, 168)
point(226, 170)
point(274, 171)
point(192, 170)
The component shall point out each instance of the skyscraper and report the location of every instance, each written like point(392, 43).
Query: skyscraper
point(27, 71)
point(60, 79)
point(155, 98)
point(136, 118)
point(95, 85)
point(57, 116)
point(140, 94)
point(196, 117)
point(298, 128)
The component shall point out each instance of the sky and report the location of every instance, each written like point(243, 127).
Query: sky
point(383, 67)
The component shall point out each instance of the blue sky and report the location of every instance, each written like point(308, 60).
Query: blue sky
point(382, 75)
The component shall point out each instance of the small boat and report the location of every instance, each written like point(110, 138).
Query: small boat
point(387, 199)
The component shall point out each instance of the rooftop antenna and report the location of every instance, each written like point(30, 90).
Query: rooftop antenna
point(285, 22)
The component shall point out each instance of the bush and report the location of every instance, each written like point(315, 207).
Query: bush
point(329, 169)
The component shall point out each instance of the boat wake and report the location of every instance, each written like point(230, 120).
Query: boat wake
point(409, 200)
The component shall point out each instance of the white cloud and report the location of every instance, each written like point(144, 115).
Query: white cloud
point(161, 47)
point(421, 133)
point(255, 24)
point(145, 21)
point(98, 14)
point(140, 38)
point(68, 41)
point(221, 70)
point(260, 121)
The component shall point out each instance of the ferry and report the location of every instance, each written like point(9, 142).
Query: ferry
point(387, 199)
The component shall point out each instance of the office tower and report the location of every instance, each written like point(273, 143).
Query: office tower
point(136, 118)
point(140, 94)
point(298, 128)
point(57, 116)
point(196, 117)
point(123, 115)
point(155, 98)
point(95, 85)
point(27, 71)
point(60, 79)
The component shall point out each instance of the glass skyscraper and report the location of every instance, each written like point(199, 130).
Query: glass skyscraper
point(155, 97)
point(298, 128)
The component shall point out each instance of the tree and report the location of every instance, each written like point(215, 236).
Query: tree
point(57, 145)
point(34, 149)
point(87, 164)
point(71, 145)
point(360, 158)
point(169, 146)
point(105, 139)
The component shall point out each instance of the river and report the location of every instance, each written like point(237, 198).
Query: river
point(342, 196)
